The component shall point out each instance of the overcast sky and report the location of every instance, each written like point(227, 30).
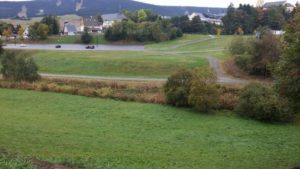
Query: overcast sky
point(205, 3)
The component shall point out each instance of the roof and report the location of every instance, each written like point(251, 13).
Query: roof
point(277, 3)
point(91, 21)
point(71, 28)
point(113, 17)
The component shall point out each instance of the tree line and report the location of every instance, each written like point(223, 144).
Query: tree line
point(143, 25)
point(246, 19)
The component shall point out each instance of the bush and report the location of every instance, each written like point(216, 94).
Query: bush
point(262, 104)
point(177, 88)
point(256, 56)
point(229, 96)
point(237, 46)
point(1, 48)
point(18, 66)
point(204, 97)
point(86, 38)
point(204, 94)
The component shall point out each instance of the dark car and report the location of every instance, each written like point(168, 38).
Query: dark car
point(58, 46)
point(90, 47)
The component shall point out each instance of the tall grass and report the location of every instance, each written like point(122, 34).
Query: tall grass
point(144, 92)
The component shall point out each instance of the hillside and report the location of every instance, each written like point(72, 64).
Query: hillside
point(90, 7)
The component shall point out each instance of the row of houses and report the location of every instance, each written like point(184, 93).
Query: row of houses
point(91, 23)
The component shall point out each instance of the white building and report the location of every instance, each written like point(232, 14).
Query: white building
point(289, 7)
point(203, 18)
point(110, 19)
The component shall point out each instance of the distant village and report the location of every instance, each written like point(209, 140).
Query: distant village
point(94, 24)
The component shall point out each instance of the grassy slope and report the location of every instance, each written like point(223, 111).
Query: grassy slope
point(116, 134)
point(159, 60)
point(120, 64)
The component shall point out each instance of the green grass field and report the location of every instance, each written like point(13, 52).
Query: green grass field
point(157, 61)
point(112, 134)
point(119, 64)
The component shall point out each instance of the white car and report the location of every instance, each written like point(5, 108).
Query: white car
point(23, 45)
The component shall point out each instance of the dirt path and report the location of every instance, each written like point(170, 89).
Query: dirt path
point(222, 76)
point(102, 78)
point(193, 42)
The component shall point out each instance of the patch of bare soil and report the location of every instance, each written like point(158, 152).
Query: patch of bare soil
point(47, 165)
point(233, 70)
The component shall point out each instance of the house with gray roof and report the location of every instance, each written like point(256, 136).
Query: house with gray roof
point(91, 23)
point(70, 30)
point(289, 7)
point(110, 19)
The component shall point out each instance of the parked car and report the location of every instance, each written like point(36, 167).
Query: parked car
point(23, 45)
point(58, 46)
point(90, 47)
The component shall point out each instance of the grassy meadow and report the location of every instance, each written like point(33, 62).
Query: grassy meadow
point(119, 64)
point(157, 61)
point(98, 133)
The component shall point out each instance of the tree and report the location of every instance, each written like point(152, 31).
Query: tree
point(18, 66)
point(274, 18)
point(99, 18)
point(21, 31)
point(287, 72)
point(197, 26)
point(229, 20)
point(38, 31)
point(142, 16)
point(264, 53)
point(86, 38)
point(42, 31)
point(52, 23)
point(256, 55)
point(7, 33)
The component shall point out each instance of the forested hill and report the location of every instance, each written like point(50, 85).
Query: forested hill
point(91, 7)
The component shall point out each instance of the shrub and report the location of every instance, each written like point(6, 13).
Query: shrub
point(86, 38)
point(228, 101)
point(105, 92)
point(256, 56)
point(229, 96)
point(1, 47)
point(18, 66)
point(204, 97)
point(261, 103)
point(237, 46)
point(177, 88)
point(204, 93)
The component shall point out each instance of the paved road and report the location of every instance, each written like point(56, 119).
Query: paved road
point(77, 47)
point(222, 76)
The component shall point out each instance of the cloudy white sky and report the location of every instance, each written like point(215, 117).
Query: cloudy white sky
point(205, 3)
